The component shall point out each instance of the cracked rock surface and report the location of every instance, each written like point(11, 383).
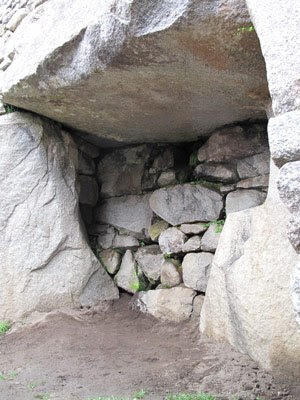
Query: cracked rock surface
point(46, 262)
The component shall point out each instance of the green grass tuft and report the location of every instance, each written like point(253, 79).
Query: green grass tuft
point(186, 396)
point(4, 327)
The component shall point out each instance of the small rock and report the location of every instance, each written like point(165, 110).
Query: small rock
point(217, 172)
point(232, 143)
point(156, 229)
point(131, 213)
point(197, 307)
point(150, 260)
point(192, 244)
point(171, 241)
point(128, 277)
point(193, 229)
point(175, 304)
point(227, 188)
point(106, 235)
point(196, 268)
point(166, 178)
point(186, 203)
point(121, 171)
point(170, 275)
point(258, 182)
point(211, 238)
point(111, 260)
point(258, 164)
point(125, 242)
point(163, 161)
point(243, 199)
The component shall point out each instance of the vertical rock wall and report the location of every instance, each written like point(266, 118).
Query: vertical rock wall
point(45, 261)
point(256, 271)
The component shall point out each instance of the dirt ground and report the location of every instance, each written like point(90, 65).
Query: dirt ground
point(120, 351)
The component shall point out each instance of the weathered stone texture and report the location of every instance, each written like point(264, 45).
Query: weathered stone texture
point(284, 133)
point(186, 203)
point(252, 270)
point(243, 199)
point(45, 260)
point(150, 260)
point(119, 71)
point(131, 213)
point(196, 269)
point(277, 25)
point(175, 304)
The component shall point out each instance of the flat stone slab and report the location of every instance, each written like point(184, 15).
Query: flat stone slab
point(186, 203)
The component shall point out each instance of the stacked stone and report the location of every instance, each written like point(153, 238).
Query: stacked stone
point(155, 227)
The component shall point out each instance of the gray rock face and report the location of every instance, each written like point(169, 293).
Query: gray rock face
point(111, 260)
point(128, 277)
point(131, 213)
point(157, 228)
point(92, 71)
point(193, 229)
point(170, 276)
point(289, 190)
point(121, 171)
point(277, 25)
point(243, 199)
point(166, 178)
point(253, 166)
point(106, 235)
point(216, 172)
point(125, 242)
point(45, 261)
point(211, 238)
point(253, 264)
point(289, 186)
point(258, 182)
point(171, 241)
point(186, 203)
point(192, 244)
point(284, 133)
point(232, 143)
point(196, 269)
point(89, 190)
point(150, 260)
point(175, 304)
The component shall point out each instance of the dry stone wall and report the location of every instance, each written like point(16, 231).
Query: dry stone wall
point(161, 209)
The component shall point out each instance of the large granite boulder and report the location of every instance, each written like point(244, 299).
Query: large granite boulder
point(136, 71)
point(252, 298)
point(186, 203)
point(289, 190)
point(46, 262)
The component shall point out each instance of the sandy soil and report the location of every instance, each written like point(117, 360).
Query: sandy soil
point(120, 351)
